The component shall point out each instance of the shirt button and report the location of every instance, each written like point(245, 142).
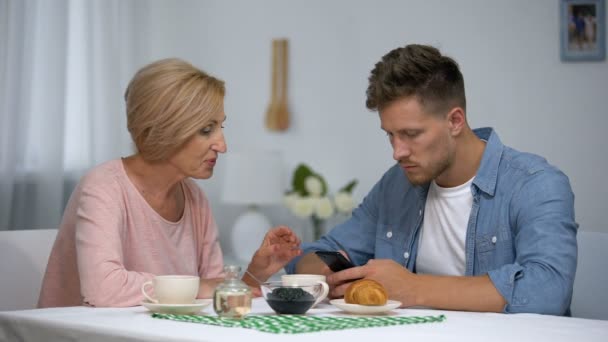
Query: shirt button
point(406, 255)
point(389, 235)
point(420, 212)
point(493, 239)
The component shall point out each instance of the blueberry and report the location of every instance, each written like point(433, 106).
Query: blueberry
point(291, 294)
point(287, 300)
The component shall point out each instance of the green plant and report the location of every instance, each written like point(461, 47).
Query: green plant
point(309, 198)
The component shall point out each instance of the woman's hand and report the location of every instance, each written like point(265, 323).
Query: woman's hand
point(207, 287)
point(280, 245)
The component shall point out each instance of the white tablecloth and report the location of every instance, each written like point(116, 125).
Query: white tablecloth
point(136, 324)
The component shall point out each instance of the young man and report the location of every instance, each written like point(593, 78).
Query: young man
point(461, 222)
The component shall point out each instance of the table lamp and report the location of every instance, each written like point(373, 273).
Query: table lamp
point(253, 179)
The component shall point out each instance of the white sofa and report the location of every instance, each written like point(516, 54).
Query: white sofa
point(23, 258)
point(24, 255)
point(590, 297)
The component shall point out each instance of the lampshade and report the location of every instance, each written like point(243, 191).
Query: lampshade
point(253, 178)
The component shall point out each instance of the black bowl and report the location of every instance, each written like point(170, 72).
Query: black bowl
point(290, 299)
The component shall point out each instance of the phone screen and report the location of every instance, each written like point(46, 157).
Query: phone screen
point(335, 260)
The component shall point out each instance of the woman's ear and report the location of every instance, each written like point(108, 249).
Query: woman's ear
point(456, 120)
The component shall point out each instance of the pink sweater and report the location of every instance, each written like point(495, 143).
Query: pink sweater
point(111, 241)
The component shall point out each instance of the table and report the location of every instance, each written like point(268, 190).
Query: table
point(136, 324)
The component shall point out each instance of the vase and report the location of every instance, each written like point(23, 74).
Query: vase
point(318, 228)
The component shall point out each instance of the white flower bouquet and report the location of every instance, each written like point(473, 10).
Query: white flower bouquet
point(309, 198)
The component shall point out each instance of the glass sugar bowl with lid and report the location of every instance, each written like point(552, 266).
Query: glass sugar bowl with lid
point(232, 297)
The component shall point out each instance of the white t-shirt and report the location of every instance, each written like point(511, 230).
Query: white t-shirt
point(441, 249)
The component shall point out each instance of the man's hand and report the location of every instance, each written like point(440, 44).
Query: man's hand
point(280, 245)
point(465, 293)
point(312, 264)
point(398, 281)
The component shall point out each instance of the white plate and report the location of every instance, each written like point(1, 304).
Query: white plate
point(178, 309)
point(365, 309)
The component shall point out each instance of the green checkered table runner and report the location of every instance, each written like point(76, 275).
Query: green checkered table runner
point(294, 324)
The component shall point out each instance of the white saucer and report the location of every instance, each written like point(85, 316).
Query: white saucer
point(365, 309)
point(178, 309)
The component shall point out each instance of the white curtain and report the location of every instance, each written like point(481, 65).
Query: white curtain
point(64, 65)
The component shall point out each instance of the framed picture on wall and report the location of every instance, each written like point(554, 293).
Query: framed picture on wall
point(582, 30)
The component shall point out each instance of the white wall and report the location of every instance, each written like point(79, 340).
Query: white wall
point(508, 52)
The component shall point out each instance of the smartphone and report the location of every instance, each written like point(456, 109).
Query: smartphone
point(335, 260)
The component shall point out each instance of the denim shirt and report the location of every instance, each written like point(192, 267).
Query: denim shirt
point(521, 230)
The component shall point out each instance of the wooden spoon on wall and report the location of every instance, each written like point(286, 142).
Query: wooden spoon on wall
point(271, 111)
point(277, 115)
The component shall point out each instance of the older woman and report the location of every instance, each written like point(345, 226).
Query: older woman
point(132, 218)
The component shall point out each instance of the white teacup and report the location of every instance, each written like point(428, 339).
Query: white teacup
point(172, 289)
point(307, 279)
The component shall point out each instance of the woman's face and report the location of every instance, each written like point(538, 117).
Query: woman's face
point(199, 154)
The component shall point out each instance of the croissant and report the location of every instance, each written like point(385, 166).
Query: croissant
point(366, 292)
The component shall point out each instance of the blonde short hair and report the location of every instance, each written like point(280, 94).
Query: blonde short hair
point(169, 101)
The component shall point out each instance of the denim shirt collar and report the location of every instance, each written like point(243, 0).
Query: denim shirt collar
point(487, 174)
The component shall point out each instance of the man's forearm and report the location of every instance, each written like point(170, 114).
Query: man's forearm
point(310, 264)
point(475, 293)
